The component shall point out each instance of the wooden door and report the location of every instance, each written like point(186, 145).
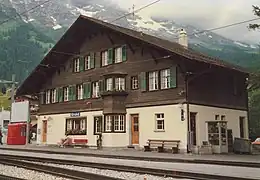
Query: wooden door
point(135, 129)
point(44, 131)
point(193, 128)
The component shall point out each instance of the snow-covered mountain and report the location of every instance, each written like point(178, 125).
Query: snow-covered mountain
point(58, 14)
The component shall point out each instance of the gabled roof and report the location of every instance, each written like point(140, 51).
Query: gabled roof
point(75, 36)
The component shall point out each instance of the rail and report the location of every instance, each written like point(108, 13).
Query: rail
point(56, 171)
point(121, 168)
point(4, 177)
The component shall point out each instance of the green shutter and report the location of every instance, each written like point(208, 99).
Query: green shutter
point(101, 86)
point(173, 76)
point(70, 93)
point(73, 96)
point(60, 94)
point(124, 53)
point(57, 95)
point(110, 56)
point(87, 90)
point(97, 61)
point(81, 63)
point(92, 60)
point(143, 81)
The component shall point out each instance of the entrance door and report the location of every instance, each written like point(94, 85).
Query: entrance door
point(135, 129)
point(193, 128)
point(44, 131)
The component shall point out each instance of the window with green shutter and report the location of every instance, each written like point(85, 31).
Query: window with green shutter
point(87, 90)
point(101, 86)
point(124, 53)
point(92, 60)
point(70, 93)
point(143, 81)
point(173, 78)
point(81, 63)
point(57, 95)
point(110, 56)
point(60, 92)
point(73, 95)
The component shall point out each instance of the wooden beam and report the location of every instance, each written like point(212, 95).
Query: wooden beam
point(110, 38)
point(130, 46)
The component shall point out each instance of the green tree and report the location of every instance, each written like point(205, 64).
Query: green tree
point(254, 90)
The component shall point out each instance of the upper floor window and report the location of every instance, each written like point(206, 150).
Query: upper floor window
point(65, 94)
point(104, 58)
point(79, 91)
point(48, 97)
point(120, 54)
point(165, 78)
point(87, 62)
point(95, 89)
point(109, 84)
point(54, 96)
point(159, 122)
point(76, 65)
point(120, 84)
point(134, 82)
point(153, 81)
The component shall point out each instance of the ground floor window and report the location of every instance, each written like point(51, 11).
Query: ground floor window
point(98, 124)
point(114, 123)
point(76, 126)
point(159, 122)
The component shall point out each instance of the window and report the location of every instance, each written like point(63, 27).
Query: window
point(153, 80)
point(87, 62)
point(104, 58)
point(217, 117)
point(120, 84)
point(95, 89)
point(118, 54)
point(115, 123)
point(76, 126)
point(134, 82)
point(53, 96)
point(5, 124)
point(48, 97)
point(97, 124)
point(76, 65)
point(159, 122)
point(108, 123)
point(79, 92)
point(109, 84)
point(165, 78)
point(223, 118)
point(65, 94)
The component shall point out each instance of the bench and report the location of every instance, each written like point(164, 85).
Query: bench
point(73, 142)
point(162, 145)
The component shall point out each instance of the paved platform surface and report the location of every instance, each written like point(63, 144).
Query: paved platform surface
point(244, 172)
point(133, 153)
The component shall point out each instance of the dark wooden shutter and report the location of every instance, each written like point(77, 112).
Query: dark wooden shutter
point(143, 81)
point(124, 53)
point(57, 95)
point(173, 77)
point(42, 97)
point(73, 92)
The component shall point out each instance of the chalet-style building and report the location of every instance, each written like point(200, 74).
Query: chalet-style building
point(131, 87)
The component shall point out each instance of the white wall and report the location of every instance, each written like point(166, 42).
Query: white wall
point(56, 130)
point(175, 129)
point(4, 115)
point(205, 113)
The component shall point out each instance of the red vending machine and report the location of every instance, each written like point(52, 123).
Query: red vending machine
point(16, 134)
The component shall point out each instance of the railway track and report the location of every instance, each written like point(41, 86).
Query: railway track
point(4, 177)
point(154, 159)
point(79, 175)
point(56, 171)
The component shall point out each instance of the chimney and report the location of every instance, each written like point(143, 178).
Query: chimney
point(183, 38)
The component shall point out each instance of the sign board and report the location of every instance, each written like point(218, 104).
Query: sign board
point(20, 112)
point(74, 114)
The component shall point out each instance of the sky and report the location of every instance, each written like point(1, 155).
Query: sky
point(205, 14)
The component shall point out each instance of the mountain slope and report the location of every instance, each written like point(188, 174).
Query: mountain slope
point(22, 45)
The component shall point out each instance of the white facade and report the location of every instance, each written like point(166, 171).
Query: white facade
point(174, 127)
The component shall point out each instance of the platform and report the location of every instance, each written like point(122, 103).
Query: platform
point(126, 153)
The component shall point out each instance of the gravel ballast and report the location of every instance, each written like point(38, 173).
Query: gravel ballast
point(111, 173)
point(26, 174)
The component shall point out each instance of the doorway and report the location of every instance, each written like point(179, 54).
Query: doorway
point(193, 128)
point(135, 129)
point(44, 131)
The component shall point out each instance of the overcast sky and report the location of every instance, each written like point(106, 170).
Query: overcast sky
point(205, 14)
